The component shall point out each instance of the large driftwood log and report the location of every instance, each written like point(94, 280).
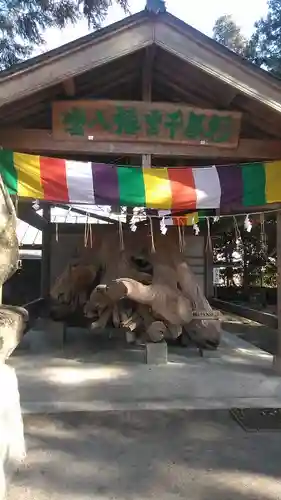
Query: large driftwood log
point(165, 303)
point(139, 289)
point(205, 332)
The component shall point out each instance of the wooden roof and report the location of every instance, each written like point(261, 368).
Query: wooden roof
point(187, 67)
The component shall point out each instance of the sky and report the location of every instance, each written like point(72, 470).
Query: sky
point(201, 14)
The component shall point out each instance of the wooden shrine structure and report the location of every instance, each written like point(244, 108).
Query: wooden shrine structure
point(188, 101)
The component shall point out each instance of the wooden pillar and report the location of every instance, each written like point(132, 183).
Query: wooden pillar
point(46, 254)
point(277, 358)
point(147, 72)
point(208, 269)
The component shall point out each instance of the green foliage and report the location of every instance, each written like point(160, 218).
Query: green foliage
point(266, 40)
point(256, 265)
point(23, 22)
point(226, 32)
point(263, 49)
point(270, 274)
point(264, 46)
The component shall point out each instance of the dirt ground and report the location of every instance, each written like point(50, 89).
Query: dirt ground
point(201, 455)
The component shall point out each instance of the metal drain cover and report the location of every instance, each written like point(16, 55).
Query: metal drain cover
point(258, 419)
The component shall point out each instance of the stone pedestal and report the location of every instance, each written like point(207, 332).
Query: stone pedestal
point(156, 353)
point(130, 337)
point(12, 445)
point(12, 324)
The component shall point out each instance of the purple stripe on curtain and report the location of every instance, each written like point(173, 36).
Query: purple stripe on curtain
point(231, 182)
point(105, 182)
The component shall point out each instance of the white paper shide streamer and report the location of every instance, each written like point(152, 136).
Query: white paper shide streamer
point(163, 227)
point(248, 224)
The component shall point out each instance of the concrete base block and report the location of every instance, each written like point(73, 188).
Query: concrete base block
point(130, 337)
point(156, 353)
point(47, 334)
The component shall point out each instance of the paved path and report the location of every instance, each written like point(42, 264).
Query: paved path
point(101, 378)
point(259, 335)
point(201, 455)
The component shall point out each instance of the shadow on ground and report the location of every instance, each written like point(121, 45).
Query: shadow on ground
point(199, 455)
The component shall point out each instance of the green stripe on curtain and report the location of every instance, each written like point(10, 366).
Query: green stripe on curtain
point(131, 186)
point(8, 171)
point(253, 175)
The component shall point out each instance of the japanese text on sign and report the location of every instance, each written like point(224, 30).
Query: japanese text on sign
point(127, 121)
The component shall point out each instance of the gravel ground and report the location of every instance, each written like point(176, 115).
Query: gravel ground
point(196, 455)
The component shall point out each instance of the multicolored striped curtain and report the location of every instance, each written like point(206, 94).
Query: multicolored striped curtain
point(185, 188)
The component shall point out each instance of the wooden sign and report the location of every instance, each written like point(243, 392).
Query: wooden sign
point(144, 122)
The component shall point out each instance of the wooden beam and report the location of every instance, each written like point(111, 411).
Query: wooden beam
point(99, 84)
point(182, 95)
point(90, 214)
point(267, 123)
point(278, 229)
point(227, 264)
point(192, 80)
point(29, 215)
point(208, 269)
point(94, 87)
point(212, 92)
point(108, 87)
point(69, 87)
point(228, 97)
point(24, 106)
point(42, 142)
point(197, 49)
point(46, 254)
point(27, 247)
point(69, 228)
point(92, 52)
point(147, 72)
point(277, 358)
point(184, 80)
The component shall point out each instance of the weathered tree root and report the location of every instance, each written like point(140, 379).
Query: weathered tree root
point(139, 289)
point(156, 331)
